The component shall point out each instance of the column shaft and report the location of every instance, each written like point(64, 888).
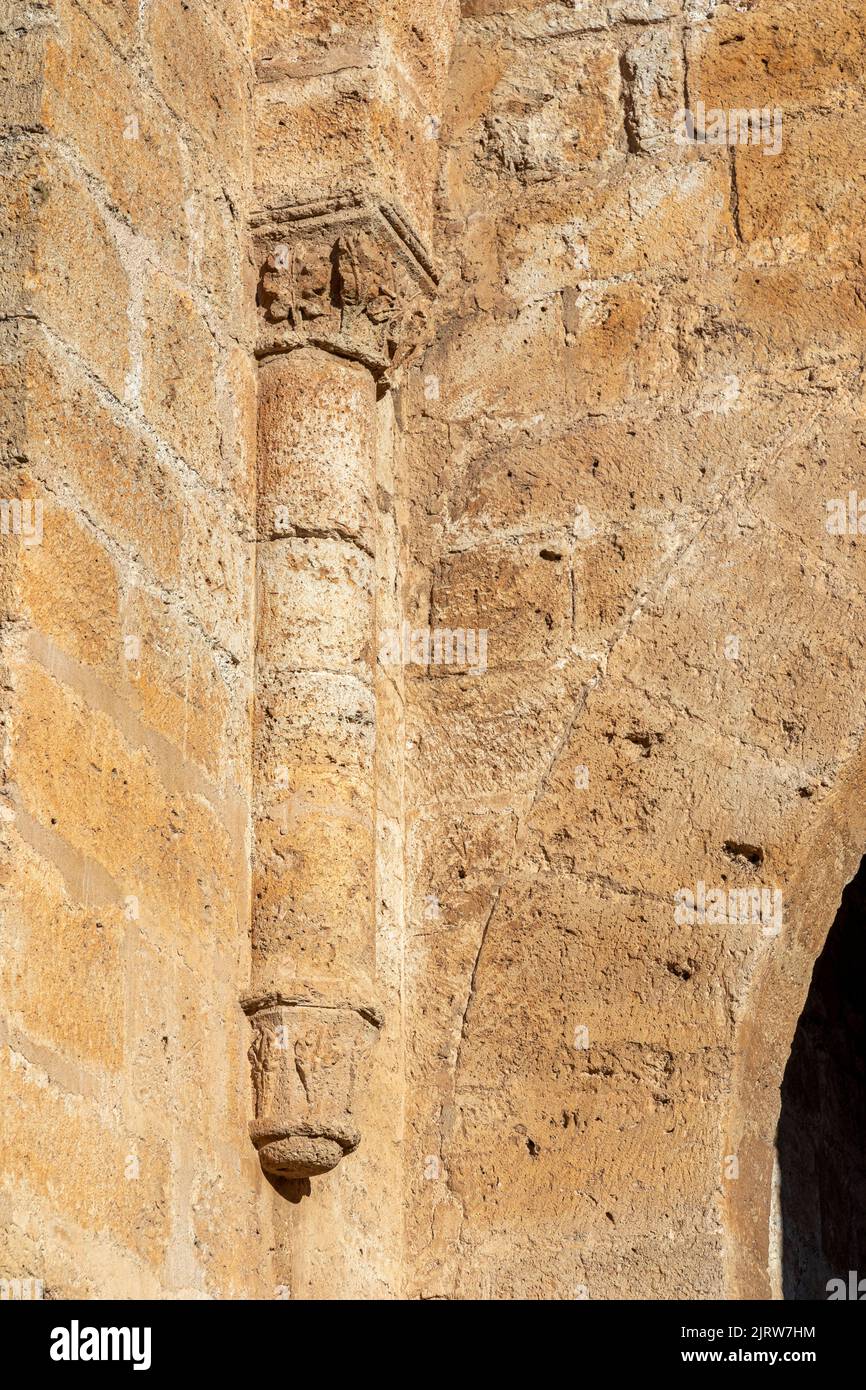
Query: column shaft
point(313, 929)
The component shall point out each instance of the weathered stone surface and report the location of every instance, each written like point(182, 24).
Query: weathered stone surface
point(364, 89)
point(126, 662)
point(644, 352)
point(432, 563)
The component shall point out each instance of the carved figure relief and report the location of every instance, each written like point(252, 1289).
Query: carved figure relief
point(349, 282)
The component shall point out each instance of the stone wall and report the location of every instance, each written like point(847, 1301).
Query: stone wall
point(421, 583)
point(129, 400)
point(646, 384)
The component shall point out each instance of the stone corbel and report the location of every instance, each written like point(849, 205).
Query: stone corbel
point(304, 1057)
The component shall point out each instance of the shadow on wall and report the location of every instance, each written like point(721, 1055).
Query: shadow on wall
point(821, 1138)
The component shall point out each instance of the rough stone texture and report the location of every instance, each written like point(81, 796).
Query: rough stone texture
point(327, 329)
point(128, 404)
point(646, 383)
point(357, 89)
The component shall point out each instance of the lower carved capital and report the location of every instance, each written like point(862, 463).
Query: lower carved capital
point(304, 1056)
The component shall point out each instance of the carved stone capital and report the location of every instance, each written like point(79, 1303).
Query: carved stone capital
point(304, 1056)
point(348, 277)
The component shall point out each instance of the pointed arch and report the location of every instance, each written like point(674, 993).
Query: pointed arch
point(830, 854)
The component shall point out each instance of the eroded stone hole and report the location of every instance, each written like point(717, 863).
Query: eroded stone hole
point(753, 854)
point(821, 1137)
